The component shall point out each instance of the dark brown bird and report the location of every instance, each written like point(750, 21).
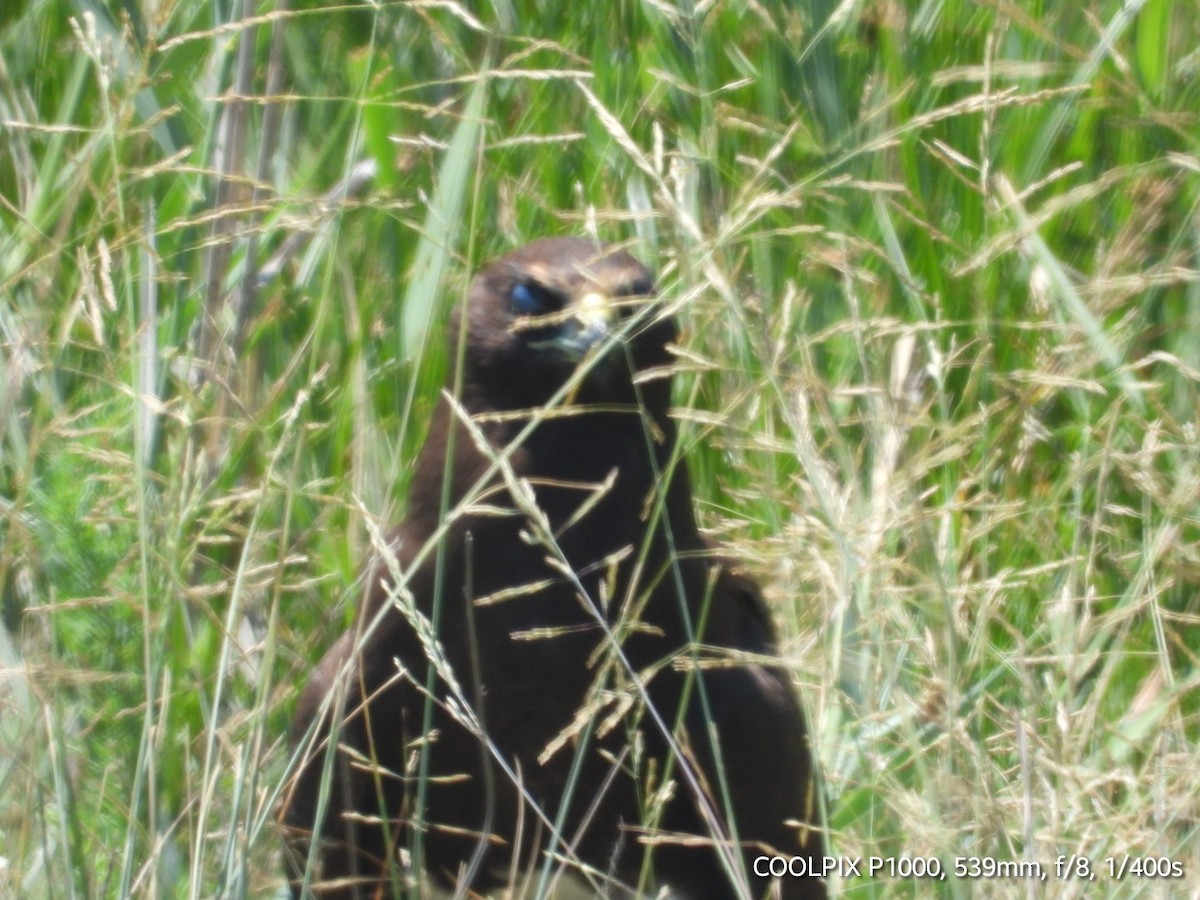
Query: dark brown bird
point(552, 670)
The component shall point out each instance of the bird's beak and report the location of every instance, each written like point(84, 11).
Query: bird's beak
point(589, 324)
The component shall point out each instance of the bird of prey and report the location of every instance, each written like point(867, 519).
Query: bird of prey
point(552, 670)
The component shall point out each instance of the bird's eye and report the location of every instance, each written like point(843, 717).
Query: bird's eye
point(533, 300)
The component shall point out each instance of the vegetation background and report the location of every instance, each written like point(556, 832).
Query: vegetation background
point(938, 266)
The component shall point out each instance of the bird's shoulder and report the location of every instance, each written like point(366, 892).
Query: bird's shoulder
point(740, 618)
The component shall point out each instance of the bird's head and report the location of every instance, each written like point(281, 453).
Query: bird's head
point(562, 310)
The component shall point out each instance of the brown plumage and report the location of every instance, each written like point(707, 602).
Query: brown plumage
point(571, 588)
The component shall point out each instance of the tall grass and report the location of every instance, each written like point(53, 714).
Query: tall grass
point(938, 268)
